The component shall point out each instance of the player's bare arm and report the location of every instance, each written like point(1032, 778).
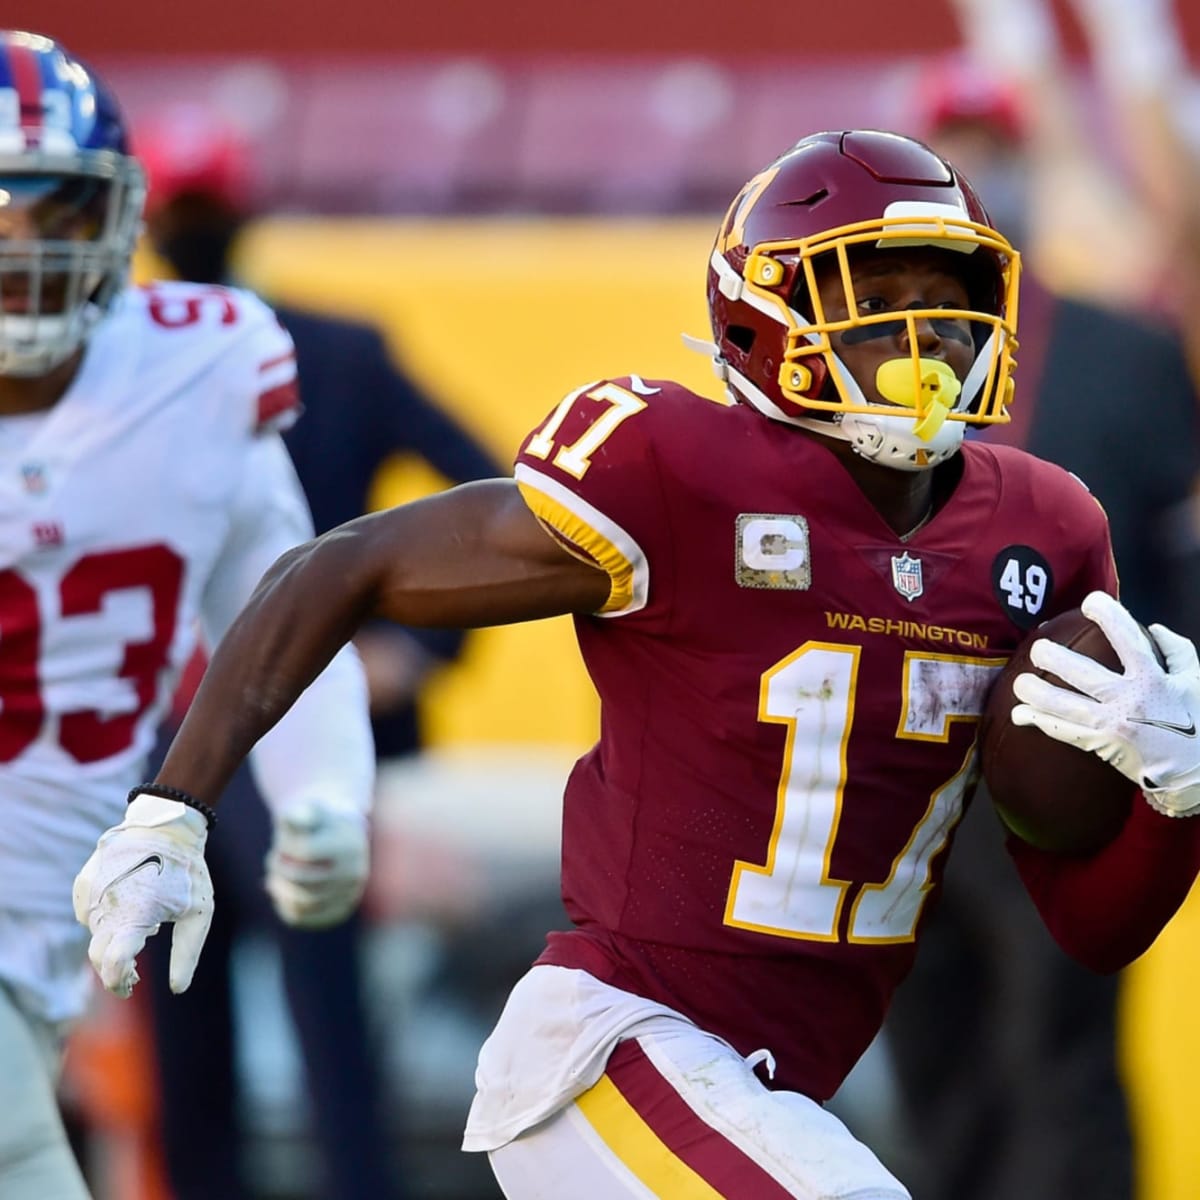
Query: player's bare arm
point(468, 557)
point(789, 732)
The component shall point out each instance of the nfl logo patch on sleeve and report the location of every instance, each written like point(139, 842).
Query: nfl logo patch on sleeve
point(772, 552)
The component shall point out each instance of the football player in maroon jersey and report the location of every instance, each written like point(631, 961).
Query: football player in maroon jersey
point(792, 600)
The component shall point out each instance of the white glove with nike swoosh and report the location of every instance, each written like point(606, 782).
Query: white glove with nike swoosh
point(1143, 722)
point(317, 867)
point(148, 869)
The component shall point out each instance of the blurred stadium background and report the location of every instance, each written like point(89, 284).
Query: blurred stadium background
point(522, 197)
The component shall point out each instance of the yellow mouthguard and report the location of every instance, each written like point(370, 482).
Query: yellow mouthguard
point(939, 389)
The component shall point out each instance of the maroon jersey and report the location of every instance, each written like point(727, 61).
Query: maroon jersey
point(790, 695)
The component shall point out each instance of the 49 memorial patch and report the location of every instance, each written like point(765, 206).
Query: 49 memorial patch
point(1023, 583)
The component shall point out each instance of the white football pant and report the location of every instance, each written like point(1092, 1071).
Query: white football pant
point(682, 1116)
point(36, 1161)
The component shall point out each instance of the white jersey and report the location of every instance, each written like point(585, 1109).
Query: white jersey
point(144, 505)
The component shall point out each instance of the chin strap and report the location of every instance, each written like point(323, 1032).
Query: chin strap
point(886, 440)
point(891, 441)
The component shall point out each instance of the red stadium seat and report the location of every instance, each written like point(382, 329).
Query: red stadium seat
point(626, 134)
point(406, 135)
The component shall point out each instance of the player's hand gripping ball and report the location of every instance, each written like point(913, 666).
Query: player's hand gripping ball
point(1050, 794)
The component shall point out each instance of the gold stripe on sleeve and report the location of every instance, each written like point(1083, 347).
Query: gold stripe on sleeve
point(594, 545)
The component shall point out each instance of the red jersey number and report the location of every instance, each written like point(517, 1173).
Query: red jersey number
point(172, 311)
point(86, 736)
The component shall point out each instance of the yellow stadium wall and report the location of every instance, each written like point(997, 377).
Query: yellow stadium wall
point(500, 318)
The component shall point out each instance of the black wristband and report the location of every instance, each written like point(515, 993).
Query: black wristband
point(170, 793)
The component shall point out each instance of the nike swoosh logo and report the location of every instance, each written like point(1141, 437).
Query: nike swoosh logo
point(1188, 730)
point(642, 388)
point(151, 860)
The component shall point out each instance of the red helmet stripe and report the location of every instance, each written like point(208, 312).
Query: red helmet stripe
point(27, 79)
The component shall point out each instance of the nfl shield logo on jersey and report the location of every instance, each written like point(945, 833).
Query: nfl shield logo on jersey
point(33, 476)
point(906, 575)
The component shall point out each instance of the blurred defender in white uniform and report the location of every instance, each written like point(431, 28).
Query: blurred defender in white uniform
point(143, 491)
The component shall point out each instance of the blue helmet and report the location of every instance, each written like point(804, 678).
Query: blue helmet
point(71, 196)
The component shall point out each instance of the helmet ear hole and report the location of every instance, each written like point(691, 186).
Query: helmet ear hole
point(742, 336)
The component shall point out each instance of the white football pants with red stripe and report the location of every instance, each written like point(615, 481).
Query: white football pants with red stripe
point(588, 1092)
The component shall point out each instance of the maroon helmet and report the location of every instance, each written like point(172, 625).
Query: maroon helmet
point(828, 194)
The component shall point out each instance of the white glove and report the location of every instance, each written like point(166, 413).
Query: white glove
point(1142, 722)
point(317, 867)
point(148, 869)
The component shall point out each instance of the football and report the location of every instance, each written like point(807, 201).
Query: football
point(1051, 795)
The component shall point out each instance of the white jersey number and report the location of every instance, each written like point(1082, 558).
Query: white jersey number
point(812, 692)
point(576, 458)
